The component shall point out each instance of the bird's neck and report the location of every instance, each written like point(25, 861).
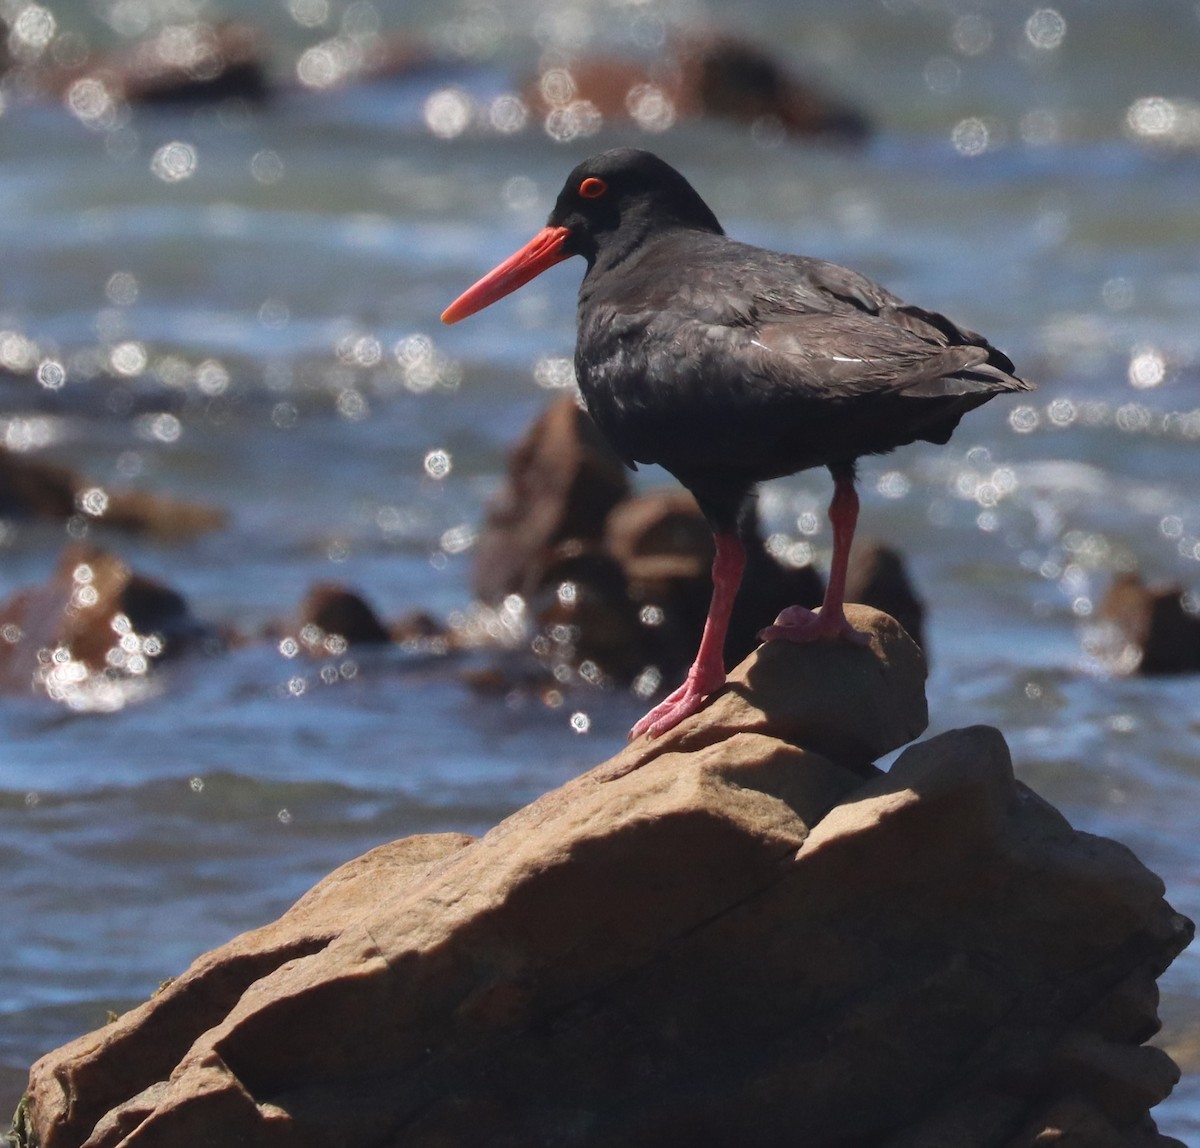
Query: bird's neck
point(619, 250)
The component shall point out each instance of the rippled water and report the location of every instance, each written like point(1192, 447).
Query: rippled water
point(262, 285)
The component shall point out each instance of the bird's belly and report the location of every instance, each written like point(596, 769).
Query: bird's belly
point(683, 423)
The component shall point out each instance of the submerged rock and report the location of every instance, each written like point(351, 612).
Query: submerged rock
point(697, 75)
point(336, 611)
point(93, 616)
point(1153, 623)
point(740, 933)
point(32, 488)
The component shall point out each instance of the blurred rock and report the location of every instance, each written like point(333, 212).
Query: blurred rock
point(561, 481)
point(697, 75)
point(94, 616)
point(768, 587)
point(186, 63)
point(877, 577)
point(739, 933)
point(32, 488)
point(587, 622)
point(353, 59)
point(623, 581)
point(1154, 621)
point(335, 610)
point(419, 626)
point(665, 548)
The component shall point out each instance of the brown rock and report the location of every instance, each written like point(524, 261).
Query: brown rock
point(768, 588)
point(1165, 637)
point(32, 488)
point(94, 613)
point(877, 577)
point(186, 63)
point(138, 511)
point(586, 618)
point(334, 610)
point(666, 548)
point(699, 75)
point(740, 942)
point(562, 480)
point(852, 703)
point(419, 626)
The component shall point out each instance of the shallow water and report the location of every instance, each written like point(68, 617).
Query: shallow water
point(269, 321)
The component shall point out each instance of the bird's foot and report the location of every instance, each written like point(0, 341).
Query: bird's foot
point(688, 699)
point(797, 624)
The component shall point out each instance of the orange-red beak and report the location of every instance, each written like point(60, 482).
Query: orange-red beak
point(544, 250)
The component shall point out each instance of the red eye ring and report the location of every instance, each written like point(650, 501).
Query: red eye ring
point(592, 188)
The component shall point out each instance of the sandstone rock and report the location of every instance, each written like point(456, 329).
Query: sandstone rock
point(32, 488)
point(727, 936)
point(562, 480)
point(851, 703)
point(1152, 620)
point(94, 615)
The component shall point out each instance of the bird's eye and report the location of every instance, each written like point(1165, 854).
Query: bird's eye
point(592, 188)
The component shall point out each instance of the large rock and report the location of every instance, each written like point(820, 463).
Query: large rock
point(739, 933)
point(561, 481)
point(619, 584)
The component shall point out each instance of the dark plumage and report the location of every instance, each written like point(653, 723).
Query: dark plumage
point(729, 364)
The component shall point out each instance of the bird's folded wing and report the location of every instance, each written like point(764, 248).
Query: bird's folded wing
point(856, 354)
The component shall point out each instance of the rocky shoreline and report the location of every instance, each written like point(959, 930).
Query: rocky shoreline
point(744, 932)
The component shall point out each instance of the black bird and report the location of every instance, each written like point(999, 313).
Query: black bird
point(728, 365)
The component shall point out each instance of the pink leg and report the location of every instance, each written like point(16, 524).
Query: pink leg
point(796, 624)
point(708, 670)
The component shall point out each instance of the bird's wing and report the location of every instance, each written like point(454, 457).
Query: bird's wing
point(828, 326)
point(857, 354)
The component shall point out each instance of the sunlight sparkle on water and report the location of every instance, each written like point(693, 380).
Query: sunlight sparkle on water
point(174, 162)
point(1046, 29)
point(93, 105)
point(1147, 368)
point(162, 427)
point(438, 463)
point(651, 108)
point(448, 113)
point(32, 30)
point(971, 136)
point(51, 374)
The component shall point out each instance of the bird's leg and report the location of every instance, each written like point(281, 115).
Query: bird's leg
point(708, 670)
point(796, 624)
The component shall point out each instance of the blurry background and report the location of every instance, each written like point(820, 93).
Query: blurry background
point(233, 301)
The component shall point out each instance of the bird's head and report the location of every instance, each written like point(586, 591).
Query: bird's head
point(609, 205)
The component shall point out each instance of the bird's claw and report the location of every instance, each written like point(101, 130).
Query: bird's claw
point(797, 624)
point(688, 699)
